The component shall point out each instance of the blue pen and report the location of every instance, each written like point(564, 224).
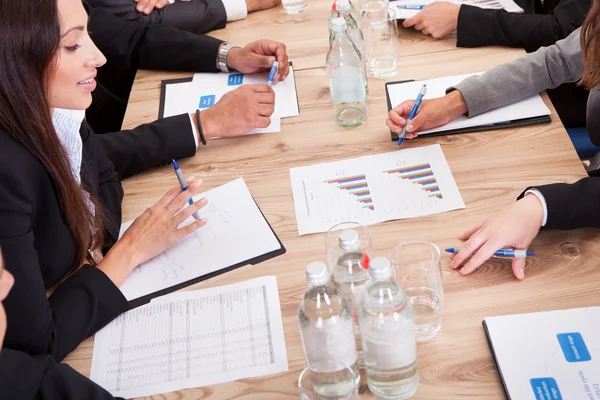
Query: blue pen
point(503, 253)
point(272, 73)
point(413, 112)
point(411, 6)
point(184, 186)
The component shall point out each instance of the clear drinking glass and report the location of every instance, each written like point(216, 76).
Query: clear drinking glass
point(327, 380)
point(381, 38)
point(417, 271)
point(294, 6)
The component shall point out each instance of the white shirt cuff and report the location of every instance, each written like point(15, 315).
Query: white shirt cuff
point(194, 131)
point(235, 9)
point(540, 196)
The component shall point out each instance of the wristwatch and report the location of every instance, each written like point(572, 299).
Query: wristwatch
point(222, 56)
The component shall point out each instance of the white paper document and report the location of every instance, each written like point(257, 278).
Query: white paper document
point(206, 89)
point(192, 339)
point(236, 231)
point(402, 13)
point(371, 189)
point(531, 107)
point(551, 355)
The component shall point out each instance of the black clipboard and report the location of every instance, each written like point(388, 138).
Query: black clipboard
point(140, 301)
point(491, 345)
point(500, 125)
point(163, 91)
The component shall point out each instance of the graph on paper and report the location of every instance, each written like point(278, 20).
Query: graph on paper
point(372, 189)
point(357, 187)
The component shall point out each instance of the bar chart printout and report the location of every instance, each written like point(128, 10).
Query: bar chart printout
point(192, 339)
point(372, 189)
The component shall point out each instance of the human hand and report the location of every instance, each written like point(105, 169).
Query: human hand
point(239, 111)
point(432, 113)
point(514, 227)
point(259, 56)
point(257, 5)
point(438, 19)
point(157, 229)
point(147, 6)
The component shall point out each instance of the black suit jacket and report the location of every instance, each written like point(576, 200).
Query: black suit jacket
point(129, 46)
point(572, 206)
point(540, 25)
point(38, 247)
point(196, 16)
point(25, 377)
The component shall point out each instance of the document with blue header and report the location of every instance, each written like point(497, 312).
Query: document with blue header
point(551, 355)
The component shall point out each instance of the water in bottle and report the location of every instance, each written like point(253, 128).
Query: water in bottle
point(344, 10)
point(350, 276)
point(388, 334)
point(345, 69)
point(326, 329)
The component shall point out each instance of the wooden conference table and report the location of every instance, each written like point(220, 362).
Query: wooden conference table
point(490, 169)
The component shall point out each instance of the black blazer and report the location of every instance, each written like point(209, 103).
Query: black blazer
point(25, 377)
point(540, 25)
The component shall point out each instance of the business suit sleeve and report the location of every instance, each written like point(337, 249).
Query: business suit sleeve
point(149, 145)
point(129, 45)
point(23, 377)
point(196, 16)
point(480, 27)
point(572, 206)
point(533, 73)
point(78, 308)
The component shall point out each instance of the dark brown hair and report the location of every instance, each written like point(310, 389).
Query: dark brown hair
point(29, 45)
point(590, 48)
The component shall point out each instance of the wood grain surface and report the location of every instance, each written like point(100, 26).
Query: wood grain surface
point(490, 168)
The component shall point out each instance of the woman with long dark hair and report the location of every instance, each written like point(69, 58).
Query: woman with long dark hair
point(555, 206)
point(60, 196)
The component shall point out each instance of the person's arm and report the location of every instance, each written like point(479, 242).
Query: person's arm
point(484, 27)
point(78, 308)
point(533, 73)
point(572, 206)
point(23, 377)
point(129, 45)
point(149, 145)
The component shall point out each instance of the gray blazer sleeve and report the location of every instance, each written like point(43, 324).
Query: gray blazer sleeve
point(504, 84)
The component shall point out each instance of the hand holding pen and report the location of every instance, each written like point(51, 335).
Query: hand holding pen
point(413, 112)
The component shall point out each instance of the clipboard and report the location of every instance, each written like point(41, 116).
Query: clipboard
point(140, 301)
point(500, 125)
point(165, 83)
point(491, 346)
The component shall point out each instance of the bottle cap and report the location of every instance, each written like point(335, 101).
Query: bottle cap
point(342, 5)
point(338, 24)
point(317, 273)
point(381, 268)
point(349, 239)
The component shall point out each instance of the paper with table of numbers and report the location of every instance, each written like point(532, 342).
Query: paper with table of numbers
point(372, 189)
point(192, 339)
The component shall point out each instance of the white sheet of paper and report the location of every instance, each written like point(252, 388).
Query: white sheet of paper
point(178, 97)
point(549, 355)
point(192, 339)
point(235, 232)
point(531, 107)
point(508, 5)
point(371, 189)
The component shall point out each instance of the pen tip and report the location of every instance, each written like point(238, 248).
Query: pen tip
point(400, 140)
point(175, 165)
point(450, 250)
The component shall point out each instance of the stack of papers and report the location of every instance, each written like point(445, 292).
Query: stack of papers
point(507, 5)
point(206, 89)
point(192, 339)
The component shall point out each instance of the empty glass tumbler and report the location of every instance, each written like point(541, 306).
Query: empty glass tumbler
point(381, 38)
point(417, 271)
